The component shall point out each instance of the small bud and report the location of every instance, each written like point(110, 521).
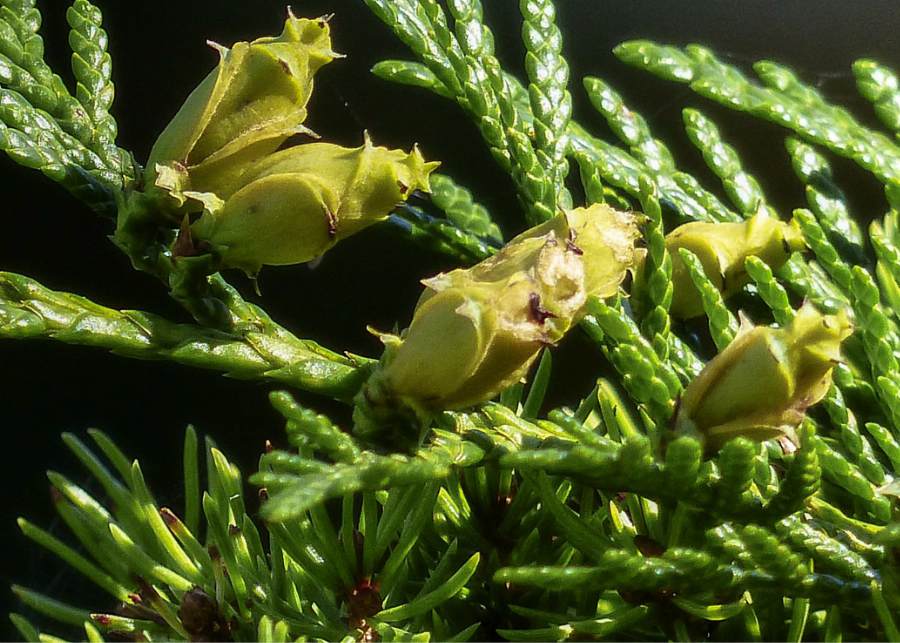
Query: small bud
point(762, 383)
point(168, 517)
point(200, 616)
point(296, 204)
point(364, 602)
point(722, 249)
point(476, 331)
point(245, 108)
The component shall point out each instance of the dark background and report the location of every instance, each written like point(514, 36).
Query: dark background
point(159, 55)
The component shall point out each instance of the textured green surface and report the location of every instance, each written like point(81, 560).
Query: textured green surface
point(506, 520)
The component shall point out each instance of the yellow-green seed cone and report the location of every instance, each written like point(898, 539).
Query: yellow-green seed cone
point(294, 205)
point(243, 110)
point(459, 322)
point(762, 383)
point(722, 249)
point(609, 235)
point(476, 331)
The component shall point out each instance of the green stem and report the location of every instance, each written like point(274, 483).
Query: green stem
point(28, 310)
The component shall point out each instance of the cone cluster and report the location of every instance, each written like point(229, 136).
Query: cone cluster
point(476, 331)
point(218, 161)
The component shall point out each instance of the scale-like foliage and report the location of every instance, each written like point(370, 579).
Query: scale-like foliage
point(505, 519)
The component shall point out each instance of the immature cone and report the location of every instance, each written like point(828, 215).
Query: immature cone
point(293, 205)
point(762, 383)
point(245, 108)
point(722, 249)
point(475, 331)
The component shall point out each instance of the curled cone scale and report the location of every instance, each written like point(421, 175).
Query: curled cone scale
point(244, 109)
point(476, 331)
point(722, 249)
point(294, 205)
point(762, 383)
